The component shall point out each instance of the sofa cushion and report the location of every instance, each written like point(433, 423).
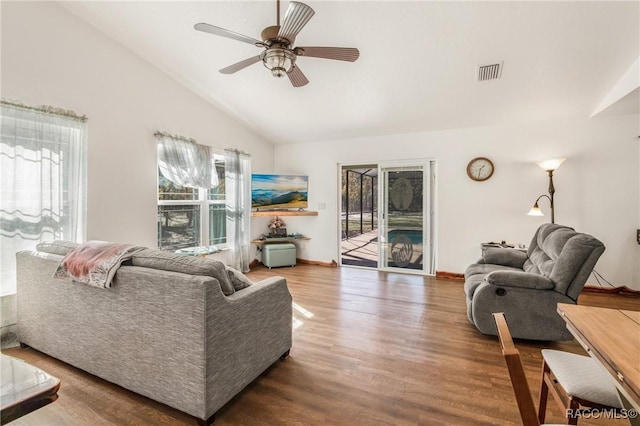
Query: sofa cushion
point(519, 279)
point(475, 273)
point(485, 268)
point(56, 247)
point(505, 256)
point(560, 253)
point(471, 284)
point(193, 265)
point(238, 279)
point(573, 258)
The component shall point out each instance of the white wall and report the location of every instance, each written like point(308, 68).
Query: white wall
point(50, 57)
point(597, 188)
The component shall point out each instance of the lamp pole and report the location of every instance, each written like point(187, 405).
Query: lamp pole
point(549, 166)
point(552, 190)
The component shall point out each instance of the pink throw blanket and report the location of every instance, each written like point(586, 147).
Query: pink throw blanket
point(94, 262)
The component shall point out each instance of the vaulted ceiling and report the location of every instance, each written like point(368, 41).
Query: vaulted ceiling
point(417, 69)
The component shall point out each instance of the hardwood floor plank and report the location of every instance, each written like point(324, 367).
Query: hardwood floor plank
point(370, 348)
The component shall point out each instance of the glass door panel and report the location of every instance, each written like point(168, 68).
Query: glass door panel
point(403, 221)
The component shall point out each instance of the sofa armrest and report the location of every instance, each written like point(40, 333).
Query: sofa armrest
point(505, 256)
point(246, 333)
point(519, 279)
point(261, 289)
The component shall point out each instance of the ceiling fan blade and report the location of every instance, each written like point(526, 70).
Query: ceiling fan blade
point(297, 16)
point(349, 54)
point(240, 65)
point(212, 29)
point(297, 78)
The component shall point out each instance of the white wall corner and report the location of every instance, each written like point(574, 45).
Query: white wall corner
point(629, 82)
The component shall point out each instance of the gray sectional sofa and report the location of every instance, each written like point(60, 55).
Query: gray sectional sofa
point(164, 329)
point(528, 286)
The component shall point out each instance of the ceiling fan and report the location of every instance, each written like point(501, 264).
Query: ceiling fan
point(279, 55)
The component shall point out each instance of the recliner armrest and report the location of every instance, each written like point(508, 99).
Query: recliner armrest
point(505, 256)
point(519, 279)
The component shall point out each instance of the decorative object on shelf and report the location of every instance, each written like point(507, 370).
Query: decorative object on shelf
point(277, 227)
point(549, 166)
point(480, 169)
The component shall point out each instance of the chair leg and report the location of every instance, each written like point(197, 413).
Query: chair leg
point(544, 393)
point(572, 411)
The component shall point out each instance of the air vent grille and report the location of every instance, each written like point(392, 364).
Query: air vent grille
point(489, 72)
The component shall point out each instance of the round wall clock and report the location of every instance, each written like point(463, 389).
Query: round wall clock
point(480, 169)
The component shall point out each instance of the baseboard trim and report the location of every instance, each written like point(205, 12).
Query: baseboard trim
point(331, 264)
point(621, 291)
point(444, 275)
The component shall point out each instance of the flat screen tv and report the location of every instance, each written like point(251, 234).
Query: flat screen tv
point(279, 191)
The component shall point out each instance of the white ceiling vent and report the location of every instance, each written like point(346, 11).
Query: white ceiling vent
point(490, 71)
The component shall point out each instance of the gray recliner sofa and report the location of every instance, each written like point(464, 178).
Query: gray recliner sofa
point(528, 286)
point(174, 328)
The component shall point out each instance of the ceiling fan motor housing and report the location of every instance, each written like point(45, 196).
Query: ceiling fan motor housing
point(270, 33)
point(277, 57)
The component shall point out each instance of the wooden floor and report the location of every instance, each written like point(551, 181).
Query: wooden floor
point(369, 349)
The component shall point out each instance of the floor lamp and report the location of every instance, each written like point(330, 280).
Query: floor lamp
point(549, 166)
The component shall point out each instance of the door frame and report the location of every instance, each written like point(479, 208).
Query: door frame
point(429, 167)
point(430, 205)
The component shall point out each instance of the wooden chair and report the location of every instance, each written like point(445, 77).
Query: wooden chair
point(575, 381)
point(582, 381)
point(516, 372)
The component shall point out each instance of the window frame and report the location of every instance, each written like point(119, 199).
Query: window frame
point(202, 200)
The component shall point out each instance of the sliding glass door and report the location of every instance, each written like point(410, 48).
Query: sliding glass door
point(387, 216)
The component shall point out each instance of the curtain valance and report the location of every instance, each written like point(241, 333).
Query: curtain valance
point(44, 109)
point(185, 162)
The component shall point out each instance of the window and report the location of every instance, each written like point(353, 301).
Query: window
point(42, 181)
point(189, 217)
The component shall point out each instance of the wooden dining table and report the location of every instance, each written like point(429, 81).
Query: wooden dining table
point(611, 336)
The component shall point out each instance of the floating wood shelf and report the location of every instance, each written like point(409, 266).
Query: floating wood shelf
point(260, 243)
point(283, 213)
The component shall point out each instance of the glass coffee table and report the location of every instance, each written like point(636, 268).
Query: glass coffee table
point(25, 388)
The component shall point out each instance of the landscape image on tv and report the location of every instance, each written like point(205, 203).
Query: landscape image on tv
point(279, 191)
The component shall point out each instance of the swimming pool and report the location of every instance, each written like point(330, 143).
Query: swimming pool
point(414, 235)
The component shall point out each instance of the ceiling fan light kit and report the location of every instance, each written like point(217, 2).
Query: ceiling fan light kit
point(279, 61)
point(279, 56)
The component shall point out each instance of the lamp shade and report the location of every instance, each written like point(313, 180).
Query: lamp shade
point(551, 164)
point(535, 211)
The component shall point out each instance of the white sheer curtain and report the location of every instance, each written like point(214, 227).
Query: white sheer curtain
point(42, 181)
point(238, 195)
point(186, 163)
